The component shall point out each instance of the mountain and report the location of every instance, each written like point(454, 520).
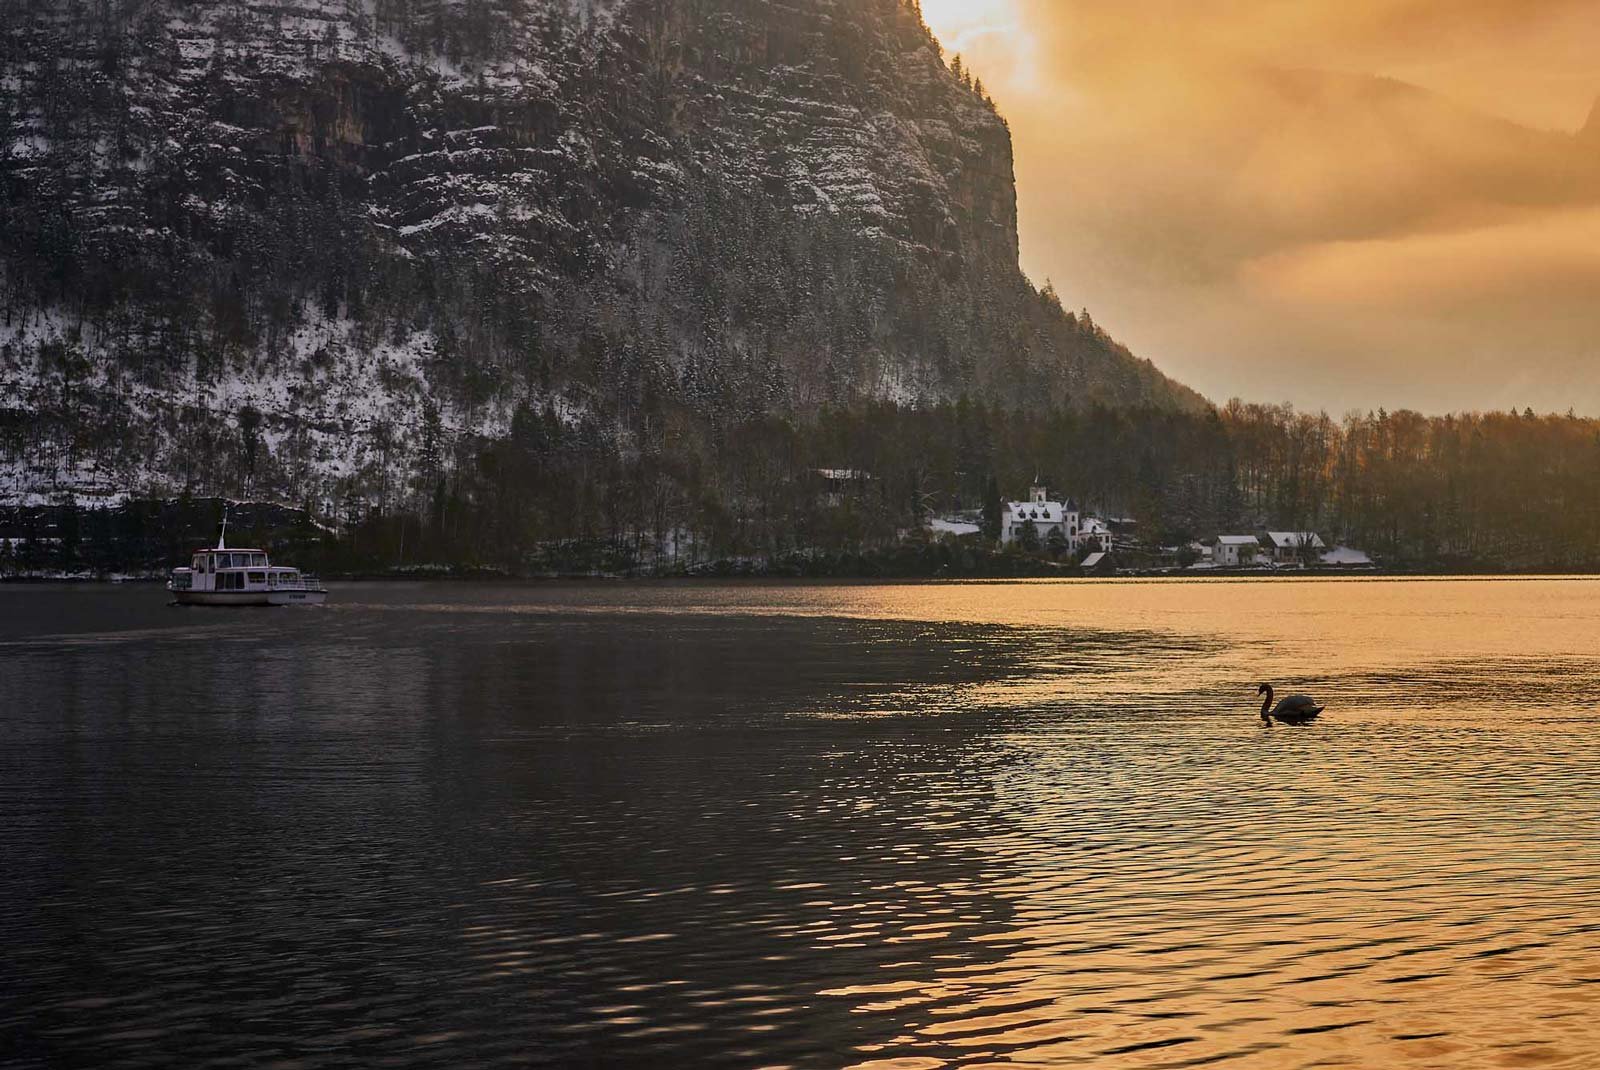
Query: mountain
point(321, 250)
point(1336, 156)
point(1589, 136)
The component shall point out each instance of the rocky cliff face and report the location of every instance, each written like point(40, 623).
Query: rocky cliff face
point(310, 247)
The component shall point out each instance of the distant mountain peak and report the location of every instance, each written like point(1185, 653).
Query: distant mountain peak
point(1590, 134)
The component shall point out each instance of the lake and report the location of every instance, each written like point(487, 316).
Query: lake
point(901, 826)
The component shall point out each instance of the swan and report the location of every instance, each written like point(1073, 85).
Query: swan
point(1294, 709)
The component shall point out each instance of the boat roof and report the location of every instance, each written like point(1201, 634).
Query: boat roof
point(229, 550)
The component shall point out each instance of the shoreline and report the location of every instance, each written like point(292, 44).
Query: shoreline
point(480, 576)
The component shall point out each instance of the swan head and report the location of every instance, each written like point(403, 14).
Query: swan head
point(1263, 689)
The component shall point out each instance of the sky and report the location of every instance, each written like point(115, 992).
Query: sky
point(1343, 204)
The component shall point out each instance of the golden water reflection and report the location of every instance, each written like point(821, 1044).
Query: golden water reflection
point(918, 825)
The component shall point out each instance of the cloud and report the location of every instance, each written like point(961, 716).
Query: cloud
point(1224, 182)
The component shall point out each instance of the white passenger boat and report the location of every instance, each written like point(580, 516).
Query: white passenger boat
point(234, 577)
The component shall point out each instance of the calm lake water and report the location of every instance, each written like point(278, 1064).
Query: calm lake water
point(820, 826)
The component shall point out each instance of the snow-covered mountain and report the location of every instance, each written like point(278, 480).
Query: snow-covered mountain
point(309, 247)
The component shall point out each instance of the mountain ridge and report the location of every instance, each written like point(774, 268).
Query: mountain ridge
point(318, 249)
point(1590, 132)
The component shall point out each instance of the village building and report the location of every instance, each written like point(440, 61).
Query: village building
point(1095, 534)
point(1231, 551)
point(1043, 514)
point(1289, 547)
point(835, 486)
point(1047, 516)
point(1099, 563)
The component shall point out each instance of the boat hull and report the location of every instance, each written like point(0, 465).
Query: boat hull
point(251, 598)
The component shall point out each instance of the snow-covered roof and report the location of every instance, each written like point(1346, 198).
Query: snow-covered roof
point(1093, 560)
point(1051, 511)
point(954, 527)
point(1093, 525)
point(1295, 540)
point(1238, 540)
point(1344, 555)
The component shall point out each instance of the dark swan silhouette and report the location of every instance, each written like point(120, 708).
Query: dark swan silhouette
point(1294, 709)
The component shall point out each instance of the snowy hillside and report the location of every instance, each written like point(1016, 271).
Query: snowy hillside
point(322, 250)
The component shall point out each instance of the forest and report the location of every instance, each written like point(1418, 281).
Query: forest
point(1479, 492)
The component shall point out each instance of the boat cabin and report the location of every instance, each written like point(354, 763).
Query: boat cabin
point(229, 576)
point(237, 570)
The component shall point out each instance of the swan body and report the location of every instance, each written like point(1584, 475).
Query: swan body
point(1291, 709)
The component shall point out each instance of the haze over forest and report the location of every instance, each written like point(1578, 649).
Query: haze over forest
point(1341, 204)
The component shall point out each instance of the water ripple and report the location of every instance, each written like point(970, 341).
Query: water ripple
point(912, 827)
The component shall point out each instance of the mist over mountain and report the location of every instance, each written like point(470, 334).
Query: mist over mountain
point(1590, 134)
point(322, 250)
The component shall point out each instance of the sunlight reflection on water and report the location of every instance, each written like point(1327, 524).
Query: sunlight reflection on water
point(811, 825)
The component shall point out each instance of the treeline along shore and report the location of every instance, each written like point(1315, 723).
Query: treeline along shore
point(852, 492)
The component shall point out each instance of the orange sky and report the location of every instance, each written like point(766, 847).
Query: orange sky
point(1340, 203)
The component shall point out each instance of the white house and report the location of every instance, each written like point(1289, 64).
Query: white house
point(1095, 534)
point(1233, 550)
point(1290, 546)
point(1046, 516)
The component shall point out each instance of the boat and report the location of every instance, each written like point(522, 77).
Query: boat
point(224, 576)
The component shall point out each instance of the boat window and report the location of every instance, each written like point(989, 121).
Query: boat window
point(258, 577)
point(259, 560)
point(272, 579)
